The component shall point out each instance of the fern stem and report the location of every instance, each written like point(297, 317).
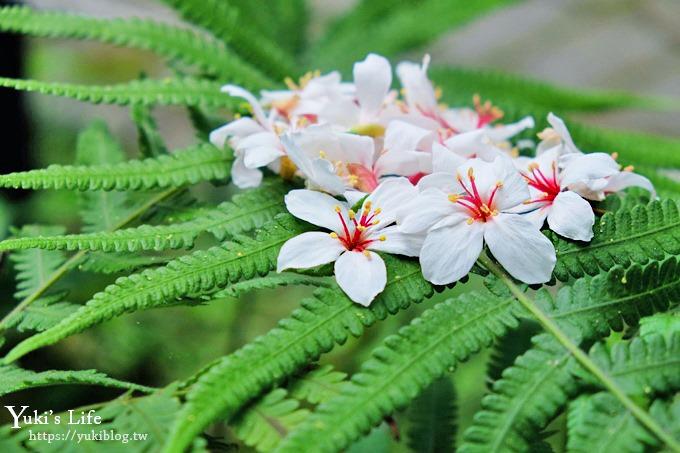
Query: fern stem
point(73, 260)
point(550, 326)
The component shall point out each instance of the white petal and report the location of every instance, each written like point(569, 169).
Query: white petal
point(396, 241)
point(244, 178)
point(308, 250)
point(572, 217)
point(446, 182)
point(400, 163)
point(418, 88)
point(261, 156)
point(505, 131)
point(353, 196)
point(514, 190)
point(372, 79)
point(391, 196)
point(361, 277)
point(427, 209)
point(404, 136)
point(236, 91)
point(625, 179)
point(444, 160)
point(219, 136)
point(537, 216)
point(316, 208)
point(561, 128)
point(324, 178)
point(587, 166)
point(448, 253)
point(344, 112)
point(521, 249)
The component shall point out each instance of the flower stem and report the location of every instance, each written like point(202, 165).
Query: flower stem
point(73, 260)
point(550, 326)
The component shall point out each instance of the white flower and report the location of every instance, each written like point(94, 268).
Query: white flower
point(255, 141)
point(372, 81)
point(359, 271)
point(556, 136)
point(461, 213)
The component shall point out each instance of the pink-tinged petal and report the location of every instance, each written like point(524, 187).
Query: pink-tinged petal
point(316, 208)
point(521, 249)
point(586, 167)
point(444, 160)
point(426, 210)
point(625, 179)
point(392, 240)
point(572, 217)
point(236, 91)
point(372, 79)
point(308, 250)
point(403, 136)
point(419, 92)
point(361, 276)
point(449, 252)
point(242, 177)
point(505, 131)
point(561, 129)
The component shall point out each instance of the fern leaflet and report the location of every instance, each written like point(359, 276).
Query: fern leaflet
point(318, 385)
point(189, 166)
point(433, 418)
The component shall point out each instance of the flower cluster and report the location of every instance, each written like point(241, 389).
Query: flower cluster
point(425, 180)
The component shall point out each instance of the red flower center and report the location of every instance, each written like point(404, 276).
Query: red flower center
point(480, 209)
point(548, 185)
point(353, 236)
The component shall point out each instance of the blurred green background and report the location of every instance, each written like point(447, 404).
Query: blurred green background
point(615, 44)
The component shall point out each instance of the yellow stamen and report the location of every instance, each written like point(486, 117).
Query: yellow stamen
point(615, 155)
point(237, 115)
point(333, 235)
point(287, 168)
point(494, 212)
point(351, 214)
point(367, 205)
point(470, 221)
point(533, 166)
point(471, 173)
point(290, 84)
point(361, 228)
point(322, 154)
point(337, 208)
point(382, 237)
point(454, 197)
point(499, 184)
point(438, 93)
point(367, 254)
point(370, 130)
point(547, 134)
point(377, 211)
point(628, 168)
point(375, 222)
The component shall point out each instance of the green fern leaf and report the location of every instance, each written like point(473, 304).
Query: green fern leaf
point(600, 423)
point(645, 365)
point(181, 91)
point(667, 413)
point(406, 28)
point(593, 306)
point(500, 86)
point(100, 210)
point(247, 211)
point(523, 401)
point(318, 385)
point(167, 41)
point(115, 263)
point(221, 19)
point(189, 166)
point(405, 364)
point(638, 235)
point(322, 321)
point(34, 267)
point(42, 314)
point(14, 379)
point(264, 423)
point(150, 141)
point(509, 347)
point(274, 280)
point(667, 324)
point(433, 418)
point(200, 272)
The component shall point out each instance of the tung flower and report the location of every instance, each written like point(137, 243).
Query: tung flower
point(353, 237)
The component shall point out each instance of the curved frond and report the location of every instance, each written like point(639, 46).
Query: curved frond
point(34, 267)
point(13, 379)
point(524, 400)
point(189, 166)
point(317, 385)
point(167, 41)
point(322, 321)
point(635, 235)
point(178, 91)
point(433, 419)
point(200, 272)
point(403, 366)
point(275, 280)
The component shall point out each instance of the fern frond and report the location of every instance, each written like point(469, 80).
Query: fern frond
point(100, 210)
point(523, 401)
point(322, 321)
point(264, 423)
point(42, 314)
point(221, 19)
point(274, 281)
point(593, 306)
point(34, 267)
point(189, 166)
point(600, 423)
point(13, 379)
point(406, 28)
point(643, 366)
point(293, 18)
point(114, 263)
point(149, 138)
point(667, 413)
point(433, 418)
point(667, 324)
point(637, 235)
point(200, 272)
point(167, 41)
point(513, 344)
point(247, 211)
point(177, 91)
point(403, 366)
point(317, 385)
point(500, 86)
